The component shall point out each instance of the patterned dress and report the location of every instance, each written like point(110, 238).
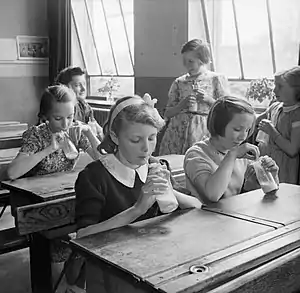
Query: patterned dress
point(187, 128)
point(284, 119)
point(36, 139)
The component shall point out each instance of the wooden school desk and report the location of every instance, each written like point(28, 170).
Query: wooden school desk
point(253, 249)
point(44, 208)
point(41, 203)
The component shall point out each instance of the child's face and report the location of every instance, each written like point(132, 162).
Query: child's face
point(237, 130)
point(61, 116)
point(136, 142)
point(192, 63)
point(78, 85)
point(284, 92)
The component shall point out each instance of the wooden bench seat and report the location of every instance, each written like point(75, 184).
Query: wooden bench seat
point(10, 241)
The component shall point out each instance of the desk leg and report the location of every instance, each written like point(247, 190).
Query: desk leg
point(40, 264)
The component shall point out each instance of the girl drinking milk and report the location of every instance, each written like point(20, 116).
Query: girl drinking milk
point(125, 183)
point(190, 98)
point(281, 121)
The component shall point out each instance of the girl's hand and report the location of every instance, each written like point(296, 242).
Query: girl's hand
point(184, 103)
point(202, 95)
point(266, 126)
point(153, 186)
point(269, 165)
point(246, 151)
point(56, 142)
point(78, 128)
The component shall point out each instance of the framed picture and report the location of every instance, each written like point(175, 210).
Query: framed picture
point(33, 48)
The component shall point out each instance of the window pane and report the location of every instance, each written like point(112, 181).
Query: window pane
point(223, 37)
point(85, 37)
point(196, 28)
point(118, 48)
point(124, 86)
point(254, 37)
point(77, 59)
point(286, 28)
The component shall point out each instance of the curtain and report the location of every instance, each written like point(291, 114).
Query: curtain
point(59, 31)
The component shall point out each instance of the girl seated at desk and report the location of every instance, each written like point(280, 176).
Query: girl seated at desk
point(220, 166)
point(42, 149)
point(117, 189)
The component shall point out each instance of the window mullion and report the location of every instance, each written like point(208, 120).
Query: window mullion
point(78, 38)
point(126, 34)
point(109, 37)
point(271, 36)
point(207, 32)
point(93, 36)
point(238, 40)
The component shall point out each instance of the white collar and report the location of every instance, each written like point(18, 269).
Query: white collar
point(122, 173)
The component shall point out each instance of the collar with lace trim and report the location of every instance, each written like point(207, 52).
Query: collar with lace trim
point(122, 173)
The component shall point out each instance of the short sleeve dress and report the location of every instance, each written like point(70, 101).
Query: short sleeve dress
point(186, 128)
point(37, 138)
point(203, 158)
point(284, 119)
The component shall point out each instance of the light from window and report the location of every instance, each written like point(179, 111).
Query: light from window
point(102, 43)
point(249, 39)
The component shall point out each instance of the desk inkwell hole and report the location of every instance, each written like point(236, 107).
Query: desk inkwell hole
point(197, 269)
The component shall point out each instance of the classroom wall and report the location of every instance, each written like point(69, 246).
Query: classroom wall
point(161, 27)
point(21, 82)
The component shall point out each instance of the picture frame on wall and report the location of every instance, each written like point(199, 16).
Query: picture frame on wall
point(33, 48)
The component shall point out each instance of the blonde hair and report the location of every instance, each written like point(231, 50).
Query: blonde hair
point(54, 94)
point(139, 113)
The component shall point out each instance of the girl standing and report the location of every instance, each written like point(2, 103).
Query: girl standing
point(281, 121)
point(190, 98)
point(126, 191)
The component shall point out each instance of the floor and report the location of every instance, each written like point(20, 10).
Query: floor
point(14, 266)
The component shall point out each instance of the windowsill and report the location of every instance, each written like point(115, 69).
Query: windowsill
point(99, 102)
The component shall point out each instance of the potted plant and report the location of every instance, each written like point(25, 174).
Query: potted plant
point(112, 85)
point(260, 93)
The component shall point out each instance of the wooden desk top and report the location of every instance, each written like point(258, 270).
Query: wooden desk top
point(162, 252)
point(49, 187)
point(282, 208)
point(159, 244)
point(58, 185)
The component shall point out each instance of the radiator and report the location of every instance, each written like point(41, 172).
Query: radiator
point(101, 115)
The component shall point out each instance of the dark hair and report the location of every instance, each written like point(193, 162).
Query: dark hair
point(65, 76)
point(200, 47)
point(140, 113)
point(52, 94)
point(292, 77)
point(223, 111)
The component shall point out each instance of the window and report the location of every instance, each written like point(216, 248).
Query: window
point(102, 43)
point(249, 38)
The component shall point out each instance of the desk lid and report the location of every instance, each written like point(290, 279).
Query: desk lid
point(282, 208)
point(163, 249)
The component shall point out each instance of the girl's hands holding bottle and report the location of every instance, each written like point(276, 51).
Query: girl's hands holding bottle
point(266, 126)
point(156, 183)
point(269, 165)
point(246, 151)
point(56, 142)
point(185, 103)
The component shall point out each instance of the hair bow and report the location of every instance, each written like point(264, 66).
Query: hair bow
point(147, 98)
